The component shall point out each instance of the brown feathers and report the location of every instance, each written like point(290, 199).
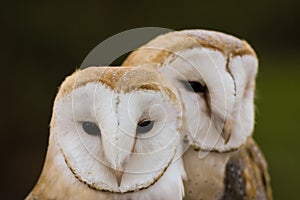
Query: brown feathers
point(240, 174)
point(123, 79)
point(157, 50)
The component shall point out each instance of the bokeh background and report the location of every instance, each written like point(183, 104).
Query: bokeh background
point(42, 42)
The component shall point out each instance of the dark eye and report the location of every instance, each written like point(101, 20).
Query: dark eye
point(91, 128)
point(144, 126)
point(194, 86)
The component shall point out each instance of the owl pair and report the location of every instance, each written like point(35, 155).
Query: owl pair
point(176, 125)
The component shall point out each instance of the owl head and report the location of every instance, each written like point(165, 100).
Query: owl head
point(215, 75)
point(117, 129)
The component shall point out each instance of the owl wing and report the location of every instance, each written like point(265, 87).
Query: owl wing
point(241, 174)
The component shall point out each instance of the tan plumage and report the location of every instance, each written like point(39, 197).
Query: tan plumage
point(236, 169)
point(213, 75)
point(239, 174)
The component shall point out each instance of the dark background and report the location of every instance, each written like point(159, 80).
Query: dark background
point(43, 42)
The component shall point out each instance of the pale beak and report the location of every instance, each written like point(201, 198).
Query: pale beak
point(226, 132)
point(117, 159)
point(119, 175)
point(117, 148)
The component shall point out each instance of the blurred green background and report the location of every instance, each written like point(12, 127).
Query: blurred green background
point(43, 42)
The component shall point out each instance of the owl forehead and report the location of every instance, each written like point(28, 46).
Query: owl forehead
point(224, 43)
point(160, 48)
point(119, 79)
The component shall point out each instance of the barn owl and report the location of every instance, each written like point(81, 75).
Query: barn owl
point(215, 76)
point(114, 134)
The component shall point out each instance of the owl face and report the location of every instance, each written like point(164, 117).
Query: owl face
point(117, 128)
point(215, 75)
point(216, 95)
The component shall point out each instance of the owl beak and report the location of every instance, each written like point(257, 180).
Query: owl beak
point(117, 148)
point(119, 175)
point(226, 132)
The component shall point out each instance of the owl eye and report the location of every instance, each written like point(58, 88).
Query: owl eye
point(91, 128)
point(194, 86)
point(144, 126)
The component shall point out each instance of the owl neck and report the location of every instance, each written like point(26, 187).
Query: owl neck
point(58, 182)
point(56, 178)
